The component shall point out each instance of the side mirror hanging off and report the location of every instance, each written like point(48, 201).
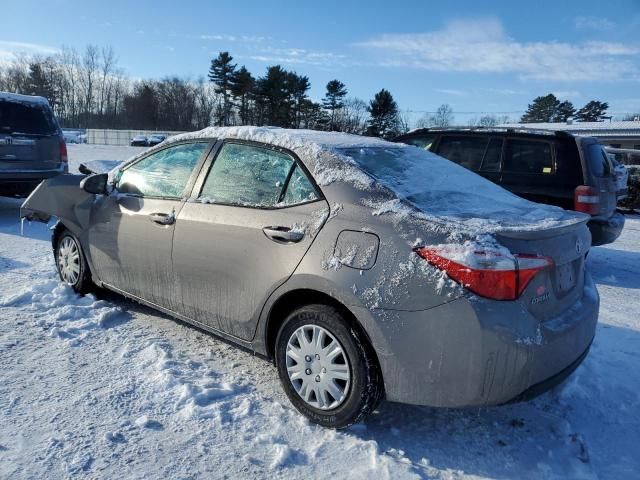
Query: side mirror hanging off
point(96, 184)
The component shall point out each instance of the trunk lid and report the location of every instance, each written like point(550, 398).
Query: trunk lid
point(555, 289)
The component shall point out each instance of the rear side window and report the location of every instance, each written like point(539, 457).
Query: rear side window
point(423, 141)
point(246, 175)
point(465, 151)
point(299, 189)
point(525, 156)
point(29, 119)
point(597, 160)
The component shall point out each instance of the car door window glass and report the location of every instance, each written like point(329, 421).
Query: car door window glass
point(299, 189)
point(465, 151)
point(524, 156)
point(598, 161)
point(491, 160)
point(247, 175)
point(423, 141)
point(162, 174)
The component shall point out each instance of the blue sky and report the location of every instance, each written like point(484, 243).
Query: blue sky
point(489, 56)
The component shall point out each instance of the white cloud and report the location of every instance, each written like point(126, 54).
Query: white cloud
point(483, 46)
point(233, 38)
point(594, 23)
point(8, 49)
point(452, 91)
point(297, 56)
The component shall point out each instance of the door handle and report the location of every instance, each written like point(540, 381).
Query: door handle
point(163, 218)
point(283, 234)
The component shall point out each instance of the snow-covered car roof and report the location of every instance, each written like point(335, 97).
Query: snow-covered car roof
point(292, 139)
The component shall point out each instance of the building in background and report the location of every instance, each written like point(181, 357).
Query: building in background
point(623, 134)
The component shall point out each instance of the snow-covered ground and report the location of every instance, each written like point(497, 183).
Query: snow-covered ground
point(106, 388)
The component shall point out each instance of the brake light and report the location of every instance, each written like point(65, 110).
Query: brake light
point(64, 158)
point(586, 199)
point(486, 273)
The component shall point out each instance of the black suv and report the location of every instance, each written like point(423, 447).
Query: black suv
point(556, 168)
point(32, 145)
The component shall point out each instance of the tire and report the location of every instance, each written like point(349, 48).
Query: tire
point(71, 264)
point(319, 386)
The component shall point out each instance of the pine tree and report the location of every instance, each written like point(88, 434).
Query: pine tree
point(242, 88)
point(221, 73)
point(39, 84)
point(594, 111)
point(297, 87)
point(275, 98)
point(542, 109)
point(334, 100)
point(383, 110)
point(564, 111)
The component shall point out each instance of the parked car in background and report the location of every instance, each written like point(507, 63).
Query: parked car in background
point(32, 146)
point(156, 139)
point(555, 168)
point(630, 160)
point(74, 136)
point(139, 141)
point(363, 268)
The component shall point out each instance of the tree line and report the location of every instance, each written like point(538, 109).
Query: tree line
point(89, 90)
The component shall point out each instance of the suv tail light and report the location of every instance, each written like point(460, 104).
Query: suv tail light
point(64, 158)
point(586, 199)
point(485, 273)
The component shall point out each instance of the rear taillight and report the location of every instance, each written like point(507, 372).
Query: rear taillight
point(64, 158)
point(486, 273)
point(586, 199)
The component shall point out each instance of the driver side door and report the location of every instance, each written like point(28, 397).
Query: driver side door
point(132, 229)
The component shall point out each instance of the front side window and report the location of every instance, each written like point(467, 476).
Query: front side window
point(465, 151)
point(525, 156)
point(246, 175)
point(162, 174)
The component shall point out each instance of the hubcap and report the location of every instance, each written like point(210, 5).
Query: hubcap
point(318, 367)
point(69, 260)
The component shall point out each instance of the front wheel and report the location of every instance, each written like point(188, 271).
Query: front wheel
point(71, 263)
point(326, 367)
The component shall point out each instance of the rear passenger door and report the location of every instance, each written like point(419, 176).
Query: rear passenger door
point(249, 222)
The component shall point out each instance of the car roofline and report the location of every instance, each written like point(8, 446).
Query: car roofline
point(481, 129)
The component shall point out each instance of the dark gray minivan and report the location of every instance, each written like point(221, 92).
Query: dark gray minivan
point(32, 146)
point(556, 168)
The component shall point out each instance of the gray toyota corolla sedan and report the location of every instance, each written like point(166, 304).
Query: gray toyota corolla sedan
point(362, 268)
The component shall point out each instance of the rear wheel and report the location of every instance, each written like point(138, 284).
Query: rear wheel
point(326, 367)
point(71, 263)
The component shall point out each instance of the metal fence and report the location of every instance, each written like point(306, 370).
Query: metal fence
point(119, 137)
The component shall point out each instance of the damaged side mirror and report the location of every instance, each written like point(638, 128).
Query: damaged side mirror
point(95, 183)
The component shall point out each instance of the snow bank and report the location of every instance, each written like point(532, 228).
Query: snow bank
point(62, 312)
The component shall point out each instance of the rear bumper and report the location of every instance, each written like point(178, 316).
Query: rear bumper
point(606, 230)
point(472, 352)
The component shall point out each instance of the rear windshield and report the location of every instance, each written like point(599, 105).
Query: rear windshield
point(598, 160)
point(28, 119)
point(440, 187)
